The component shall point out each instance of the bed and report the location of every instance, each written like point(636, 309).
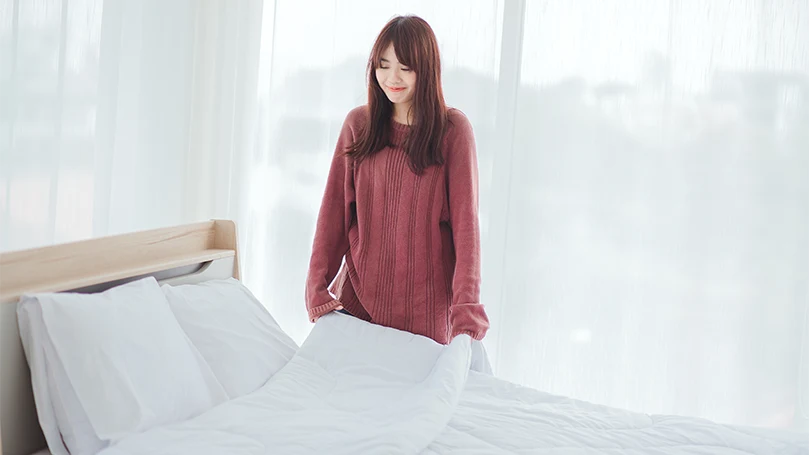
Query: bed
point(171, 303)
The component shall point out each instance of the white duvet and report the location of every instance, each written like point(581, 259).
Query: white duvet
point(357, 388)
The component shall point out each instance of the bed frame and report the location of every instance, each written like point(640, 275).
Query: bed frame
point(176, 255)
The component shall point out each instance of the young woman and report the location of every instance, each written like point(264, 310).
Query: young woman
point(401, 201)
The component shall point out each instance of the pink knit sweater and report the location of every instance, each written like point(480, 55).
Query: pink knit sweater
point(411, 243)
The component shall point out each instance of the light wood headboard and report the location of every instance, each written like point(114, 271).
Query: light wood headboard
point(176, 255)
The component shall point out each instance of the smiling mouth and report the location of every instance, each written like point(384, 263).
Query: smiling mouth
point(396, 89)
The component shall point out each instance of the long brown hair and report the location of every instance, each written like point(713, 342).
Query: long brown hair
point(416, 47)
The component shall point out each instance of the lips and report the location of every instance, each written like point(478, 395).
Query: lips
point(396, 89)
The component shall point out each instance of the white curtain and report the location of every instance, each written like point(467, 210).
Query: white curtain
point(655, 242)
point(644, 168)
point(120, 115)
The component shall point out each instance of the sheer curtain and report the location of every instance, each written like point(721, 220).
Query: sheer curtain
point(656, 241)
point(117, 115)
point(644, 168)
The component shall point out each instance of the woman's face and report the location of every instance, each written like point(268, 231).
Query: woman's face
point(397, 80)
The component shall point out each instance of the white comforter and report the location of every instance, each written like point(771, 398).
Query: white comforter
point(356, 388)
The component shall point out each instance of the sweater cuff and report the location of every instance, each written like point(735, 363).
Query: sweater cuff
point(318, 311)
point(469, 319)
point(474, 335)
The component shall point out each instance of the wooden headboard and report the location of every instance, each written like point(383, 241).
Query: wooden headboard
point(177, 255)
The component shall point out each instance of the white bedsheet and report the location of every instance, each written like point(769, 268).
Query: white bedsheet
point(356, 388)
point(496, 417)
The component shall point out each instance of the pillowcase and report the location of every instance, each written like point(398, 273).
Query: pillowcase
point(127, 359)
point(29, 320)
point(74, 426)
point(61, 416)
point(234, 332)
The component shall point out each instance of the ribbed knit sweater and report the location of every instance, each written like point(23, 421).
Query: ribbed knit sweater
point(407, 246)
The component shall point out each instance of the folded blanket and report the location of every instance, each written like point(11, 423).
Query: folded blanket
point(353, 387)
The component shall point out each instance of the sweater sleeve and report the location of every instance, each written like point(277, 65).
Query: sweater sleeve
point(467, 314)
point(331, 233)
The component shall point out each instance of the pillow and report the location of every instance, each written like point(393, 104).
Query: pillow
point(74, 426)
point(61, 416)
point(237, 336)
point(127, 359)
point(29, 320)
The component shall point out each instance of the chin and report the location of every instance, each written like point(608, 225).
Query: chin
point(399, 99)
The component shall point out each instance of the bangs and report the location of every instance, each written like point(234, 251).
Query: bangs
point(403, 39)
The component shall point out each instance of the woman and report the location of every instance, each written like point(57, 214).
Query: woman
point(401, 201)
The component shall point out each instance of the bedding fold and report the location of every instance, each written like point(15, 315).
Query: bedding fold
point(353, 387)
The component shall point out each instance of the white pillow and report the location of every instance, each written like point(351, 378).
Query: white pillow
point(29, 320)
point(61, 416)
point(236, 335)
point(127, 359)
point(74, 426)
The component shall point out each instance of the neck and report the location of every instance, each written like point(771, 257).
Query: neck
point(401, 113)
